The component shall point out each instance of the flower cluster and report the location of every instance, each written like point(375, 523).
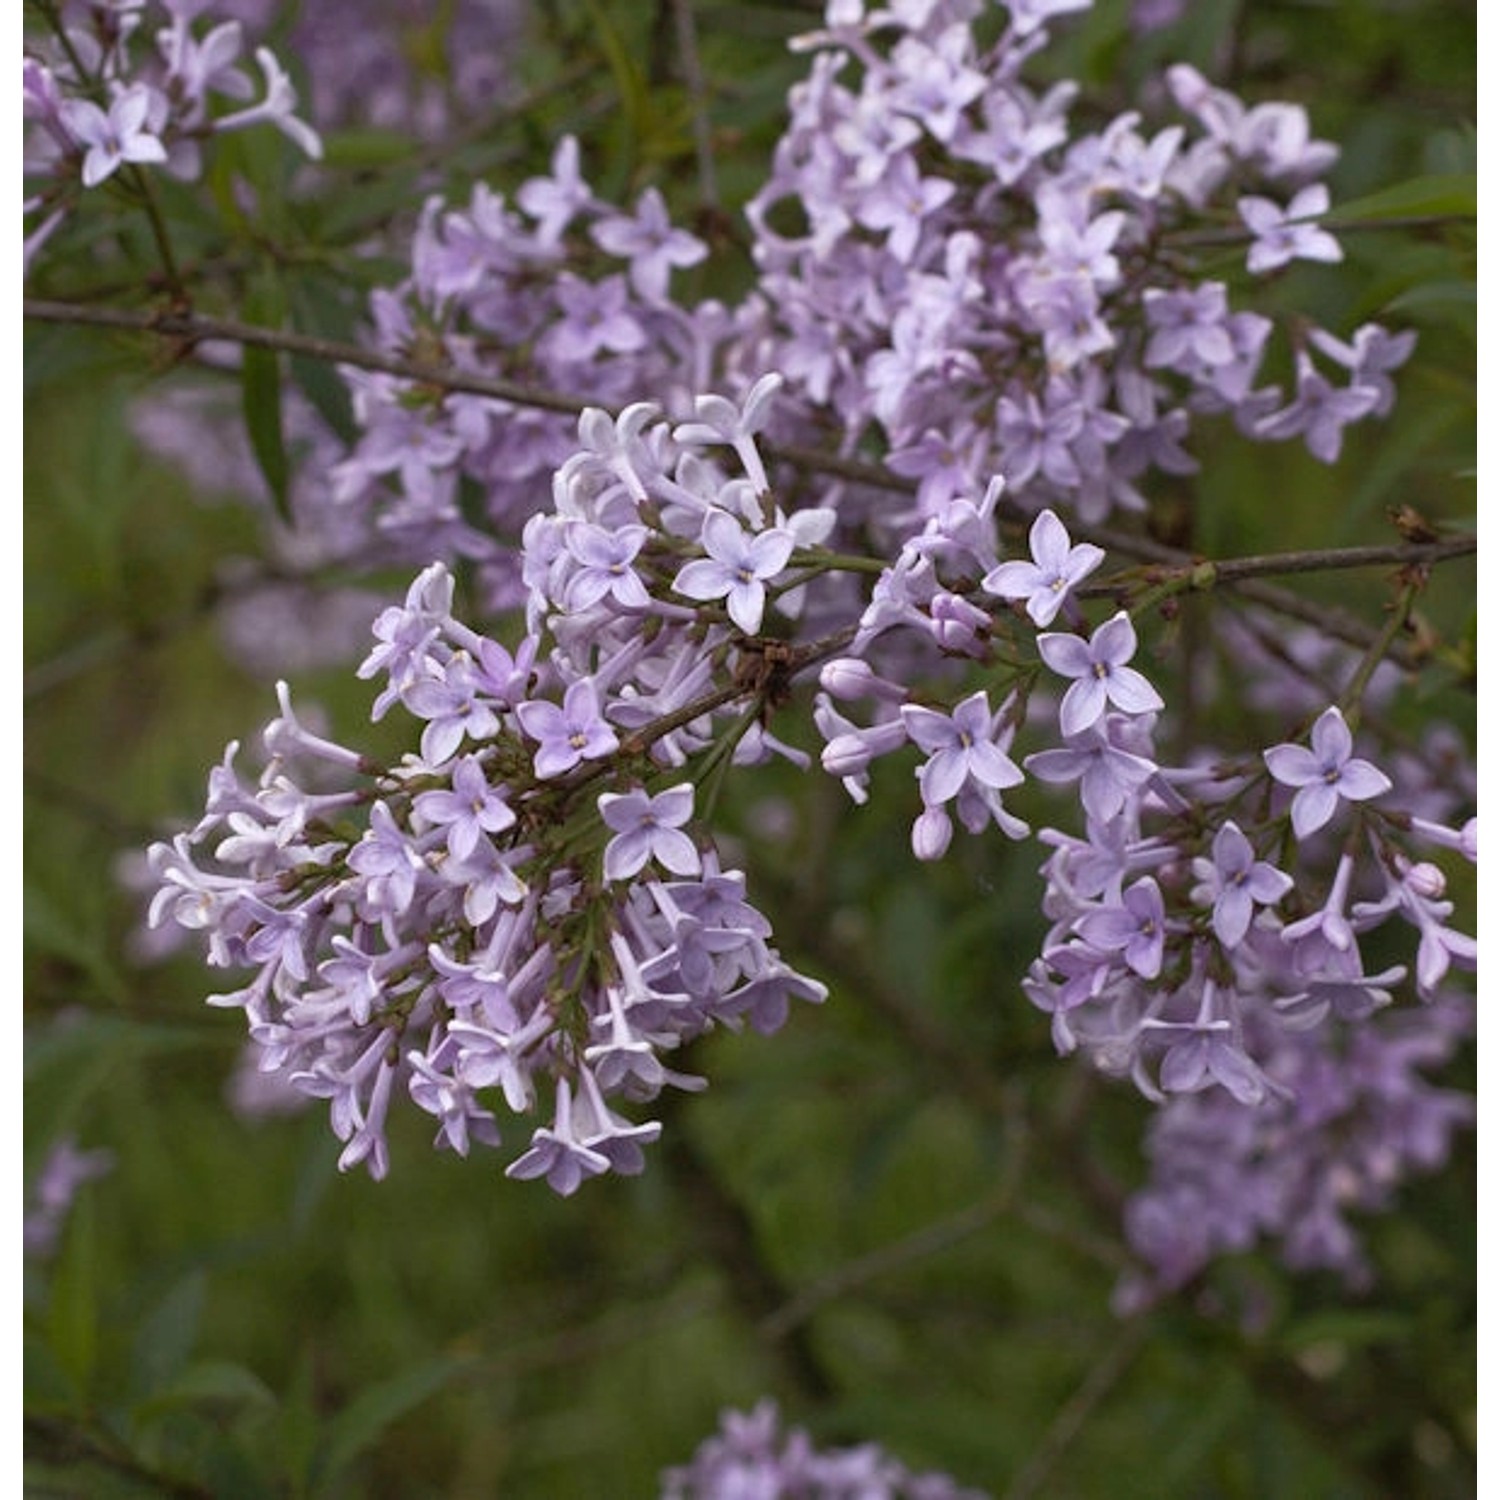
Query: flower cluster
point(1342, 1127)
point(956, 279)
point(953, 270)
point(560, 290)
point(117, 86)
point(520, 905)
point(751, 1455)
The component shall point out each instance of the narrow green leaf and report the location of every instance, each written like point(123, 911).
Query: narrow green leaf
point(164, 1341)
point(260, 391)
point(1450, 195)
point(73, 1300)
point(214, 1382)
point(361, 1423)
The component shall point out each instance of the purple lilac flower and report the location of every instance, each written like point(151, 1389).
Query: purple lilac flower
point(110, 140)
point(648, 828)
point(1235, 882)
point(752, 1458)
point(1134, 927)
point(472, 809)
point(736, 568)
point(1284, 235)
point(1324, 774)
point(1056, 567)
point(570, 734)
point(650, 243)
point(1099, 672)
point(960, 746)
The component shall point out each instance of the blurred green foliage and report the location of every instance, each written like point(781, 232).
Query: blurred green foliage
point(899, 1216)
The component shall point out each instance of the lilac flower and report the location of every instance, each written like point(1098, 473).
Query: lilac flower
point(388, 862)
point(472, 809)
point(900, 202)
point(1107, 775)
point(1235, 881)
point(110, 140)
point(1209, 1054)
point(1324, 774)
point(605, 559)
point(554, 201)
point(557, 1153)
point(650, 243)
point(1100, 675)
point(1320, 411)
point(1056, 567)
point(1135, 928)
point(1284, 235)
point(1369, 356)
point(567, 735)
point(737, 565)
point(276, 108)
point(649, 828)
point(960, 746)
point(751, 1458)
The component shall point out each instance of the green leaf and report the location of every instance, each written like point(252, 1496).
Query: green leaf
point(1449, 195)
point(213, 1382)
point(73, 1301)
point(260, 390)
point(361, 1423)
point(164, 1341)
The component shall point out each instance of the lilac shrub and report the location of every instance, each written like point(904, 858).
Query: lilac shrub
point(957, 280)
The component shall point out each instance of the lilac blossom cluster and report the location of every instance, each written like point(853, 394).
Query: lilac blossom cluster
point(116, 85)
point(952, 270)
point(978, 287)
point(521, 905)
point(528, 903)
point(1348, 1119)
point(751, 1455)
point(561, 290)
point(1193, 901)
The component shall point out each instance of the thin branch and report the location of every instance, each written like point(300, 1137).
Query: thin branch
point(193, 328)
point(1206, 575)
point(1078, 1408)
point(931, 1239)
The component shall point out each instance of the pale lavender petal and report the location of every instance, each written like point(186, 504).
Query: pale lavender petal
point(1293, 765)
point(1360, 780)
point(1312, 807)
point(1082, 704)
point(1130, 691)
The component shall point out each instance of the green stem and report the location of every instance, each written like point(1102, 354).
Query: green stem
point(1352, 698)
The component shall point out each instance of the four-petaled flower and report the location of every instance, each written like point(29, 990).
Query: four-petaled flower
point(569, 734)
point(737, 565)
point(1055, 567)
point(1135, 928)
point(959, 747)
point(1324, 774)
point(646, 828)
point(110, 140)
point(1235, 880)
point(1100, 675)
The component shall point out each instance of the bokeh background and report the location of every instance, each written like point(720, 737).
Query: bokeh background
point(899, 1216)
